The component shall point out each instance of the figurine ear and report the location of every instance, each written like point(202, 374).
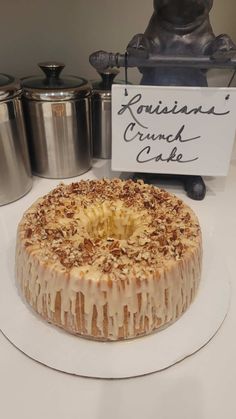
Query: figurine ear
point(157, 4)
point(210, 4)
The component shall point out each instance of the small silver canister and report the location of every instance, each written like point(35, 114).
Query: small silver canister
point(15, 172)
point(101, 114)
point(57, 114)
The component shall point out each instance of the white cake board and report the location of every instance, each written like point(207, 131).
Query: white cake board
point(59, 350)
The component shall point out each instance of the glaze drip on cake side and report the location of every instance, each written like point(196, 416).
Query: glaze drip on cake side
point(109, 259)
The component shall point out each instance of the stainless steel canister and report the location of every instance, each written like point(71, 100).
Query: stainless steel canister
point(57, 114)
point(101, 114)
point(15, 172)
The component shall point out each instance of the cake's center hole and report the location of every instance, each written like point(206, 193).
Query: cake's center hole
point(111, 223)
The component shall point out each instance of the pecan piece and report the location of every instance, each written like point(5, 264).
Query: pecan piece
point(28, 233)
point(114, 245)
point(107, 267)
point(88, 245)
point(70, 214)
point(116, 252)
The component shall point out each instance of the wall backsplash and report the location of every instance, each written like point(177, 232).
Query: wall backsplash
point(70, 30)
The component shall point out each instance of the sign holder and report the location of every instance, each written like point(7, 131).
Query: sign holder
point(101, 60)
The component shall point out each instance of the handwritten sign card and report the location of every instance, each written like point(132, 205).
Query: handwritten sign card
point(176, 130)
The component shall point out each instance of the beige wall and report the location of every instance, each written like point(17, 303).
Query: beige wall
point(69, 30)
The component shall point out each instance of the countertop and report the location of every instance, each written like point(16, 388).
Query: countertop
point(200, 387)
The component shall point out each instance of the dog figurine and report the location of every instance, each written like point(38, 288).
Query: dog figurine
point(180, 27)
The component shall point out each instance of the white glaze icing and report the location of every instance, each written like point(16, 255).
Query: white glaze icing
point(154, 301)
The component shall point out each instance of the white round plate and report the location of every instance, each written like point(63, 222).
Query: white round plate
point(57, 349)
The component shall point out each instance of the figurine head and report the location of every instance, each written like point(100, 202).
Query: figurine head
point(182, 12)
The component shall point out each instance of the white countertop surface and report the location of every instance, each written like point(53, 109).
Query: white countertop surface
point(201, 387)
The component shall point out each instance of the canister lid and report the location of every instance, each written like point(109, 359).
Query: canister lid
point(9, 87)
point(51, 86)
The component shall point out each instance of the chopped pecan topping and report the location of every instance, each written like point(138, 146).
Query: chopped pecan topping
point(69, 226)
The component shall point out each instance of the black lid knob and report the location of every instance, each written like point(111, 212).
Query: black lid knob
point(107, 78)
point(51, 69)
